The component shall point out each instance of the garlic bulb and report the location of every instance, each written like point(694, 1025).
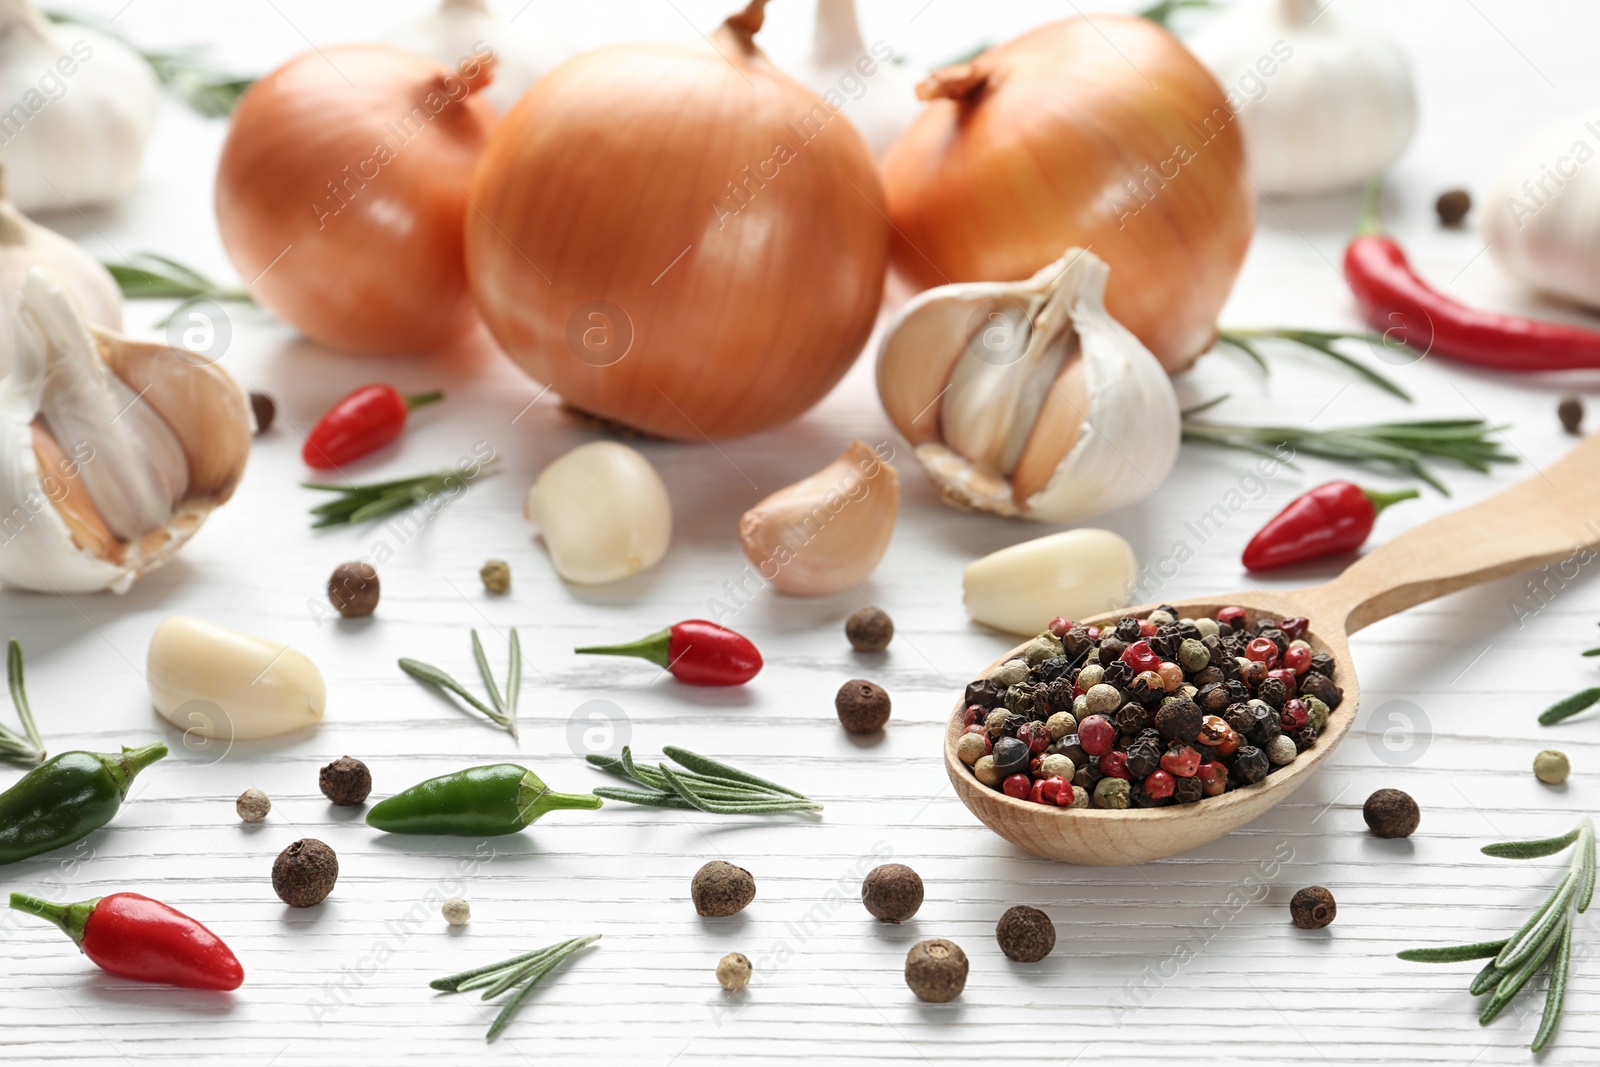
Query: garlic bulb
point(112, 452)
point(1325, 103)
point(1026, 398)
point(81, 107)
point(25, 245)
point(222, 684)
point(861, 81)
point(458, 29)
point(826, 532)
point(1542, 219)
point(603, 513)
point(1074, 575)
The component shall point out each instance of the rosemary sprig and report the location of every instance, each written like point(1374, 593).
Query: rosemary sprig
point(1399, 445)
point(209, 91)
point(151, 276)
point(1245, 340)
point(359, 503)
point(521, 973)
point(1161, 12)
point(1567, 707)
point(503, 711)
point(25, 748)
point(1545, 938)
point(704, 785)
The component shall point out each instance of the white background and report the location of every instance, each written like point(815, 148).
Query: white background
point(1247, 988)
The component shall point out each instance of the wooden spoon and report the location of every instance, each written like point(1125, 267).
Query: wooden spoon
point(1551, 517)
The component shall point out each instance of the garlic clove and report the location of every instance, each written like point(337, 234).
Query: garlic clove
point(1026, 398)
point(603, 513)
point(1073, 574)
point(25, 244)
point(230, 686)
point(460, 29)
point(827, 531)
point(866, 83)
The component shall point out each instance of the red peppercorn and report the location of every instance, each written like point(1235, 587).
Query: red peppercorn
point(1253, 673)
point(1285, 676)
point(1096, 735)
point(1214, 729)
point(1140, 658)
point(1147, 628)
point(1233, 616)
point(1180, 761)
point(1230, 743)
point(1262, 650)
point(1115, 765)
point(1293, 715)
point(1035, 735)
point(1213, 778)
point(1017, 785)
point(1094, 633)
point(1049, 791)
point(1159, 784)
point(973, 714)
point(1059, 626)
point(1171, 676)
point(1294, 627)
point(1298, 659)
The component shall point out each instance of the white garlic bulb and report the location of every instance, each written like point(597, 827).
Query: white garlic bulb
point(81, 108)
point(826, 532)
point(1542, 218)
point(459, 29)
point(1325, 102)
point(603, 513)
point(25, 244)
point(1027, 398)
point(112, 452)
point(1074, 574)
point(858, 80)
point(229, 686)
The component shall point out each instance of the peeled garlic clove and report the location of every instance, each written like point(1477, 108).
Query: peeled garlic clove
point(1074, 574)
point(1026, 398)
point(230, 686)
point(824, 533)
point(603, 513)
point(112, 452)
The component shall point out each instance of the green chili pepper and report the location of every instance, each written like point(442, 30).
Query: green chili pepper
point(68, 798)
point(477, 802)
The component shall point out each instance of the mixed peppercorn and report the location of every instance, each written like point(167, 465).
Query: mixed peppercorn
point(1149, 712)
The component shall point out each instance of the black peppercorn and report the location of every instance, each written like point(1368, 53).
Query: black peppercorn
point(1133, 718)
point(1053, 668)
point(1208, 676)
point(1141, 799)
point(1216, 697)
point(863, 707)
point(1570, 412)
point(1312, 908)
point(1068, 746)
point(1147, 688)
point(1187, 790)
point(892, 892)
point(1143, 759)
point(1165, 645)
point(1025, 934)
point(1111, 648)
point(1076, 642)
point(1305, 737)
point(1236, 687)
point(1391, 813)
point(869, 630)
point(1267, 724)
point(1179, 720)
point(1188, 631)
point(1321, 687)
point(1088, 776)
point(1277, 637)
point(1010, 756)
point(1240, 717)
point(936, 971)
point(304, 873)
point(264, 409)
point(985, 693)
point(1129, 630)
point(1453, 206)
point(721, 889)
point(1118, 674)
point(346, 782)
point(353, 589)
point(1251, 764)
point(1322, 663)
point(1273, 691)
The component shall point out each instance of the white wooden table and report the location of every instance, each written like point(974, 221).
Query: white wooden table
point(1187, 960)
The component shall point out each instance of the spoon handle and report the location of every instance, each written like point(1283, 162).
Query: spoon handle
point(1551, 518)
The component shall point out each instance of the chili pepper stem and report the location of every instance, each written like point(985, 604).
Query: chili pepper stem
point(125, 767)
point(73, 919)
point(1381, 499)
point(419, 400)
point(653, 648)
point(535, 798)
point(1368, 224)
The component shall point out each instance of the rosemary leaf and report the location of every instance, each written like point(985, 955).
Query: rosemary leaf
point(1536, 931)
point(1556, 993)
point(1570, 706)
point(454, 982)
point(514, 684)
point(708, 766)
point(359, 503)
point(1512, 983)
point(635, 796)
point(26, 748)
point(488, 677)
point(1318, 341)
point(1454, 953)
point(1587, 864)
point(433, 676)
point(1532, 850)
point(1486, 979)
point(510, 1009)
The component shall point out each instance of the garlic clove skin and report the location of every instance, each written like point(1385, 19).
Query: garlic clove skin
point(603, 513)
point(880, 104)
point(230, 686)
point(24, 245)
point(112, 453)
point(1073, 574)
point(458, 29)
point(96, 105)
point(828, 531)
point(1542, 218)
point(1027, 399)
point(1339, 106)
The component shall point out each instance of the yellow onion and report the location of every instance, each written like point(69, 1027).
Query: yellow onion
point(683, 240)
point(342, 191)
point(1099, 133)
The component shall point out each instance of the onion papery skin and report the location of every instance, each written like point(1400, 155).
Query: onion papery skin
point(1102, 133)
point(604, 214)
point(342, 207)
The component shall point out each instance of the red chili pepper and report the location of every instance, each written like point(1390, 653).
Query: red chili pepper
point(362, 422)
point(695, 651)
point(143, 939)
point(1327, 520)
point(1398, 303)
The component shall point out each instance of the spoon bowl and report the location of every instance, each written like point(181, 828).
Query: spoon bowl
point(1550, 518)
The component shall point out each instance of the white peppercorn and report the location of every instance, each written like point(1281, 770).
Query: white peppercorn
point(1093, 674)
point(1011, 672)
point(456, 911)
point(1102, 699)
point(1207, 627)
point(733, 971)
point(1060, 725)
point(986, 771)
point(252, 805)
point(971, 748)
point(1056, 765)
point(1281, 750)
point(1080, 797)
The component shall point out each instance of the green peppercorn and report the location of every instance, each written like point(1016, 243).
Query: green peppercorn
point(1551, 767)
point(1113, 793)
point(1045, 646)
point(1316, 712)
point(1192, 656)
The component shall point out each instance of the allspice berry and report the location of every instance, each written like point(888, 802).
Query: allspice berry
point(353, 589)
point(733, 971)
point(869, 630)
point(252, 805)
point(304, 873)
point(496, 576)
point(862, 706)
point(892, 892)
point(264, 409)
point(1391, 813)
point(936, 970)
point(1570, 412)
point(1026, 934)
point(1453, 206)
point(1551, 767)
point(346, 782)
point(721, 889)
point(1312, 908)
